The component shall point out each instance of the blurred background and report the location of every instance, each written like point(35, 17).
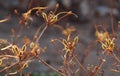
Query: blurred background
point(89, 12)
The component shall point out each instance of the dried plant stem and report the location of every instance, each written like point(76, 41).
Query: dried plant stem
point(20, 66)
point(65, 66)
point(9, 67)
point(111, 15)
point(116, 58)
point(40, 35)
point(98, 67)
point(30, 4)
point(42, 61)
point(20, 72)
point(80, 65)
point(37, 32)
point(8, 56)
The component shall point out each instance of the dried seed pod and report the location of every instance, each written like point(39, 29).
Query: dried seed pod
point(24, 47)
point(25, 65)
point(15, 49)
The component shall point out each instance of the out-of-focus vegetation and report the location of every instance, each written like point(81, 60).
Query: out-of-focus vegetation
point(19, 52)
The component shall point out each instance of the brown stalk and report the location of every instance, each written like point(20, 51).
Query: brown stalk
point(65, 66)
point(98, 67)
point(30, 4)
point(111, 15)
point(41, 60)
point(80, 65)
point(20, 65)
point(40, 35)
point(9, 67)
point(9, 56)
point(115, 57)
point(37, 32)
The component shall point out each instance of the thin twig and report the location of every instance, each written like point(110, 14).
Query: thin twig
point(20, 65)
point(111, 15)
point(116, 58)
point(30, 4)
point(37, 32)
point(99, 67)
point(9, 56)
point(81, 66)
point(8, 67)
point(40, 35)
point(42, 61)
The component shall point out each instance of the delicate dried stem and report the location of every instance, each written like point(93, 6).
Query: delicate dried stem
point(99, 67)
point(40, 35)
point(111, 15)
point(37, 32)
point(116, 58)
point(6, 47)
point(9, 67)
point(42, 61)
point(30, 4)
point(81, 66)
point(20, 65)
point(4, 20)
point(9, 56)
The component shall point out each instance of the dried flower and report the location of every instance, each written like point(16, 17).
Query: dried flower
point(35, 49)
point(108, 44)
point(26, 16)
point(17, 51)
point(52, 17)
point(106, 41)
point(69, 45)
point(102, 35)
